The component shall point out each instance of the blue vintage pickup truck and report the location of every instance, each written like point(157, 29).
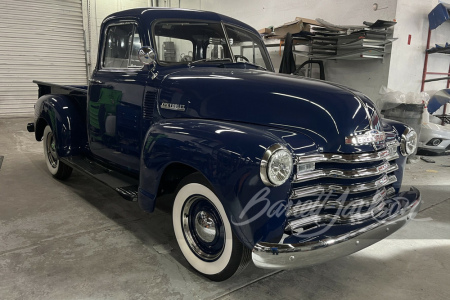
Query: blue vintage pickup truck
point(184, 106)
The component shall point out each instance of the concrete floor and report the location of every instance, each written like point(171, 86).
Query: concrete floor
point(79, 240)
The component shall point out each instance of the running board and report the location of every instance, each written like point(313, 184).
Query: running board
point(126, 186)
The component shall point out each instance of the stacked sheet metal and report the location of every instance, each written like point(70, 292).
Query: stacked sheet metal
point(350, 42)
point(440, 49)
point(319, 39)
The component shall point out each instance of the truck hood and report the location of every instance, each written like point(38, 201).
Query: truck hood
point(326, 112)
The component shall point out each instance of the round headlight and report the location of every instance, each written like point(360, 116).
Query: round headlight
point(276, 165)
point(409, 141)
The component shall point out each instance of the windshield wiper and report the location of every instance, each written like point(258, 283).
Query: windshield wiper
point(244, 62)
point(208, 60)
point(255, 65)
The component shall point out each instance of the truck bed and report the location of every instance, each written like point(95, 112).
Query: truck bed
point(76, 93)
point(52, 88)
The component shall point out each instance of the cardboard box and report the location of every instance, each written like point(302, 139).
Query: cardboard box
point(291, 27)
point(265, 31)
point(308, 21)
point(299, 24)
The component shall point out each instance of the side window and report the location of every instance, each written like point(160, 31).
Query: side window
point(121, 47)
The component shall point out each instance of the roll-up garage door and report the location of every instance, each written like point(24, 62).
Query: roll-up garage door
point(39, 40)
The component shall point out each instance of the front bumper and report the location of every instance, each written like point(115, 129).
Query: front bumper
point(336, 241)
point(430, 131)
point(433, 150)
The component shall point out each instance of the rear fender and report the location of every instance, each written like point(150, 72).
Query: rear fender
point(64, 118)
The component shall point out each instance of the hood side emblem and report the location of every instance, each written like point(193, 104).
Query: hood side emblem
point(173, 106)
point(368, 137)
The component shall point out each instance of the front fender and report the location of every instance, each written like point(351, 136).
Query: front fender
point(64, 118)
point(228, 155)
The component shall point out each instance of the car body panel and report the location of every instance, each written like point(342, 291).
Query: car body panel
point(228, 155)
point(64, 117)
point(267, 95)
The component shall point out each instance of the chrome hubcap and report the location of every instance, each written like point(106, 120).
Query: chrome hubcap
point(205, 226)
point(51, 150)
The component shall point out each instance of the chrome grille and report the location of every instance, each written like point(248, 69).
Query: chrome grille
point(351, 189)
point(382, 168)
point(341, 182)
point(387, 154)
point(297, 210)
point(322, 218)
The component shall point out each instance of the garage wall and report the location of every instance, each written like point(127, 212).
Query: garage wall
point(407, 60)
point(42, 40)
point(366, 76)
point(52, 30)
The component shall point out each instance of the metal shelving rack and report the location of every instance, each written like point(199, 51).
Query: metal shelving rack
point(330, 42)
point(439, 15)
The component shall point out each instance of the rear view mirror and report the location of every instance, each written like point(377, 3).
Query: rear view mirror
point(147, 55)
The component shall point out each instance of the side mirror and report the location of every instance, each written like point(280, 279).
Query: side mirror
point(148, 57)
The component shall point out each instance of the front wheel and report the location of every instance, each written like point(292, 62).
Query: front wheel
point(204, 233)
point(57, 168)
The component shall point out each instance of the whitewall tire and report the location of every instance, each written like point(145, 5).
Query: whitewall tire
point(203, 231)
point(57, 168)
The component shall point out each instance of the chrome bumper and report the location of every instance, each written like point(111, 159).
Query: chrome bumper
point(328, 246)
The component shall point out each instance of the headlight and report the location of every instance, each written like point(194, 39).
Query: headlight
point(276, 165)
point(409, 141)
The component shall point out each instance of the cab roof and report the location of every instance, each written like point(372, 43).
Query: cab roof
point(149, 14)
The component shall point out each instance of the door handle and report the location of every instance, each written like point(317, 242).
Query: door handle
point(95, 81)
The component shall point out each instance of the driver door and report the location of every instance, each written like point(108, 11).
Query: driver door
point(115, 98)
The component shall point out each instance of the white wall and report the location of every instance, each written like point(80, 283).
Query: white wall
point(366, 76)
point(407, 60)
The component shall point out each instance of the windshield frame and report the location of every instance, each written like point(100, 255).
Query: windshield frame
point(258, 38)
point(224, 31)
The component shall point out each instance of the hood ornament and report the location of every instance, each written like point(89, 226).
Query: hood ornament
point(365, 138)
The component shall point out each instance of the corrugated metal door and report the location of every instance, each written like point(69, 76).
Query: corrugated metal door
point(42, 40)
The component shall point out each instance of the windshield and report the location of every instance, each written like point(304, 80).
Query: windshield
point(184, 42)
point(247, 47)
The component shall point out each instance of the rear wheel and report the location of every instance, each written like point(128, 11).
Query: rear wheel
point(57, 168)
point(204, 233)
